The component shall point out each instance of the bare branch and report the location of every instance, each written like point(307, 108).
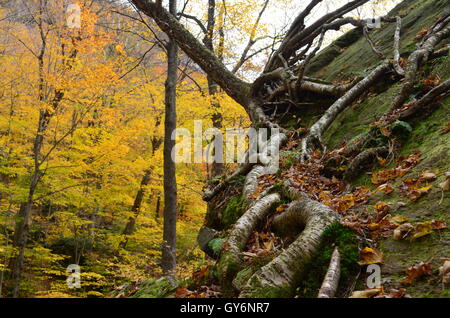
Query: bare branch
point(207, 60)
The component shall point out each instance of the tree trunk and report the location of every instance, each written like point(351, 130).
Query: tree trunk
point(130, 226)
point(170, 186)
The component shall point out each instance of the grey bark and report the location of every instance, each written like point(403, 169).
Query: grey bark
point(314, 135)
point(168, 262)
point(280, 276)
point(331, 281)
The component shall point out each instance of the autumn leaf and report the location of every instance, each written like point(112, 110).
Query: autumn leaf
point(416, 271)
point(427, 177)
point(422, 229)
point(201, 273)
point(444, 271)
point(398, 219)
point(446, 129)
point(370, 256)
point(438, 225)
point(386, 188)
point(182, 292)
point(381, 207)
point(421, 34)
point(368, 293)
point(403, 231)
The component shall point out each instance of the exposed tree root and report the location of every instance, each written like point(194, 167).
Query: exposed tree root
point(427, 99)
point(362, 161)
point(309, 143)
point(230, 261)
point(280, 277)
point(415, 60)
point(331, 281)
point(269, 160)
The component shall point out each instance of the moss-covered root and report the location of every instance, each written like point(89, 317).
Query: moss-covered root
point(280, 277)
point(229, 263)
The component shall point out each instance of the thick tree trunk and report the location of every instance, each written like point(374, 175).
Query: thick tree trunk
point(168, 262)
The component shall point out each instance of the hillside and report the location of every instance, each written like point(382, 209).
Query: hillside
point(393, 205)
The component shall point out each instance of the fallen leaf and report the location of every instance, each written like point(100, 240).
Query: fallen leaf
point(381, 207)
point(182, 292)
point(370, 256)
point(438, 225)
point(403, 231)
point(446, 129)
point(422, 229)
point(368, 293)
point(445, 185)
point(416, 271)
point(395, 293)
point(444, 271)
point(386, 188)
point(398, 219)
point(428, 176)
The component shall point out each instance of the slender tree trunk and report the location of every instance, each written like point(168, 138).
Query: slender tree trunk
point(130, 226)
point(218, 168)
point(170, 184)
point(158, 207)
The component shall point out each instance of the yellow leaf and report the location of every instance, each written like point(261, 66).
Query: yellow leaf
point(370, 256)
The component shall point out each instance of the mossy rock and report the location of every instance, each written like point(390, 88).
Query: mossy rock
point(159, 288)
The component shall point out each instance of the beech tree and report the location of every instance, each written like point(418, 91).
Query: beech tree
point(282, 84)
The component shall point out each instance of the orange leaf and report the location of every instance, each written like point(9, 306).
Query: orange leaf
point(370, 256)
point(416, 271)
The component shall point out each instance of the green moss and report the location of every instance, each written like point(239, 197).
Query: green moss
point(233, 211)
point(346, 240)
point(159, 288)
point(401, 129)
point(216, 245)
point(227, 268)
point(254, 289)
point(244, 275)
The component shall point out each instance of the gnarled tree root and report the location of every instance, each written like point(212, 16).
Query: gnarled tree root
point(231, 261)
point(269, 159)
point(316, 130)
point(362, 160)
point(280, 277)
point(331, 281)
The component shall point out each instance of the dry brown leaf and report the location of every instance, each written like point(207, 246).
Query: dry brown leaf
point(368, 293)
point(445, 185)
point(416, 271)
point(403, 231)
point(370, 256)
point(422, 229)
point(444, 271)
point(428, 176)
point(438, 225)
